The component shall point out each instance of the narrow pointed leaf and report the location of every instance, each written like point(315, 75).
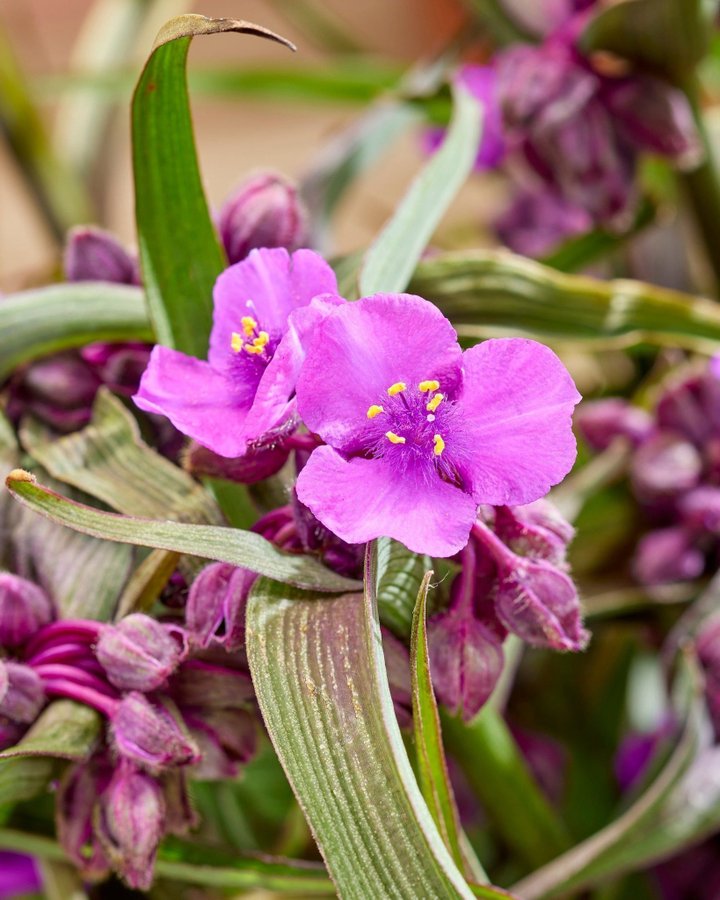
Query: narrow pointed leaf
point(241, 548)
point(62, 316)
point(392, 258)
point(432, 768)
point(179, 250)
point(399, 574)
point(320, 679)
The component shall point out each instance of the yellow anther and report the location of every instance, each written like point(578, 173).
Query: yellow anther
point(248, 325)
point(435, 402)
point(261, 339)
point(374, 410)
point(438, 445)
point(236, 342)
point(396, 388)
point(251, 348)
point(394, 438)
point(427, 386)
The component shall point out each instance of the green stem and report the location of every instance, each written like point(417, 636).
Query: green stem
point(498, 773)
point(702, 188)
point(282, 876)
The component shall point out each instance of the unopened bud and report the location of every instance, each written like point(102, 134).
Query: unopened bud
point(227, 739)
point(667, 555)
point(216, 604)
point(256, 465)
point(265, 211)
point(666, 465)
point(537, 530)
point(139, 653)
point(24, 608)
point(92, 254)
point(150, 736)
point(75, 803)
point(23, 696)
point(600, 422)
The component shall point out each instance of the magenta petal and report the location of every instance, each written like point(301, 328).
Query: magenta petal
point(268, 286)
point(516, 410)
point(362, 349)
point(362, 499)
point(200, 401)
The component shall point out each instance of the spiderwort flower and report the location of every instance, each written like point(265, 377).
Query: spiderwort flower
point(244, 394)
point(419, 433)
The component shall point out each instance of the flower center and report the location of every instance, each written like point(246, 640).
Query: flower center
point(252, 345)
point(252, 340)
point(412, 419)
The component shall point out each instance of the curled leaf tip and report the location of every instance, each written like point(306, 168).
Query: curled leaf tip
point(20, 475)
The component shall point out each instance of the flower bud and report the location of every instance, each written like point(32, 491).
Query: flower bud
point(76, 798)
point(131, 824)
point(600, 422)
point(150, 736)
point(540, 605)
point(665, 466)
point(180, 815)
point(216, 604)
point(118, 366)
point(537, 221)
point(466, 660)
point(667, 555)
point(23, 696)
point(700, 509)
point(199, 683)
point(255, 465)
point(265, 211)
point(227, 739)
point(92, 254)
point(139, 653)
point(24, 608)
point(540, 533)
point(58, 390)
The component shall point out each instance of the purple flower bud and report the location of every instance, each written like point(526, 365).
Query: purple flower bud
point(24, 608)
point(700, 509)
point(265, 211)
point(256, 465)
point(667, 555)
point(540, 533)
point(118, 366)
point(92, 254)
point(23, 696)
point(708, 649)
point(216, 604)
point(665, 465)
point(691, 407)
point(150, 736)
point(138, 654)
point(199, 683)
point(58, 390)
point(466, 660)
point(602, 421)
point(540, 604)
point(75, 803)
point(131, 824)
point(180, 816)
point(537, 221)
point(227, 739)
point(397, 663)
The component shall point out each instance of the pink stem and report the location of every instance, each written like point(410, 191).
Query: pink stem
point(52, 672)
point(59, 653)
point(61, 687)
point(303, 441)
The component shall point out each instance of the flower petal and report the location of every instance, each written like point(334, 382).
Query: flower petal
point(516, 410)
point(268, 286)
point(361, 499)
point(362, 349)
point(200, 401)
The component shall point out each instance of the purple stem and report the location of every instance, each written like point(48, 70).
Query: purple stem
point(78, 676)
point(58, 653)
point(61, 687)
point(286, 533)
point(303, 441)
point(77, 629)
point(272, 519)
point(464, 598)
point(503, 556)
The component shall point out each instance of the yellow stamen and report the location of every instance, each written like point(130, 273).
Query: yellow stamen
point(248, 325)
point(394, 438)
point(250, 348)
point(396, 388)
point(262, 339)
point(435, 402)
point(236, 342)
point(374, 410)
point(438, 445)
point(427, 386)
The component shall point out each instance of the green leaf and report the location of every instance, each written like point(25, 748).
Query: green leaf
point(497, 293)
point(62, 316)
point(392, 258)
point(24, 778)
point(241, 548)
point(630, 841)
point(499, 775)
point(320, 679)
point(670, 36)
point(179, 250)
point(399, 573)
point(432, 768)
point(63, 730)
point(108, 460)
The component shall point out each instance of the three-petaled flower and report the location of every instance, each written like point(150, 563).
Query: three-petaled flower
point(418, 433)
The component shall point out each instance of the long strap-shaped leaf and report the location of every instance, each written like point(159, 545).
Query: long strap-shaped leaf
point(179, 250)
point(320, 679)
point(241, 548)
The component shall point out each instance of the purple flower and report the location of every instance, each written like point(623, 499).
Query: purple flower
point(244, 394)
point(22, 695)
point(418, 432)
